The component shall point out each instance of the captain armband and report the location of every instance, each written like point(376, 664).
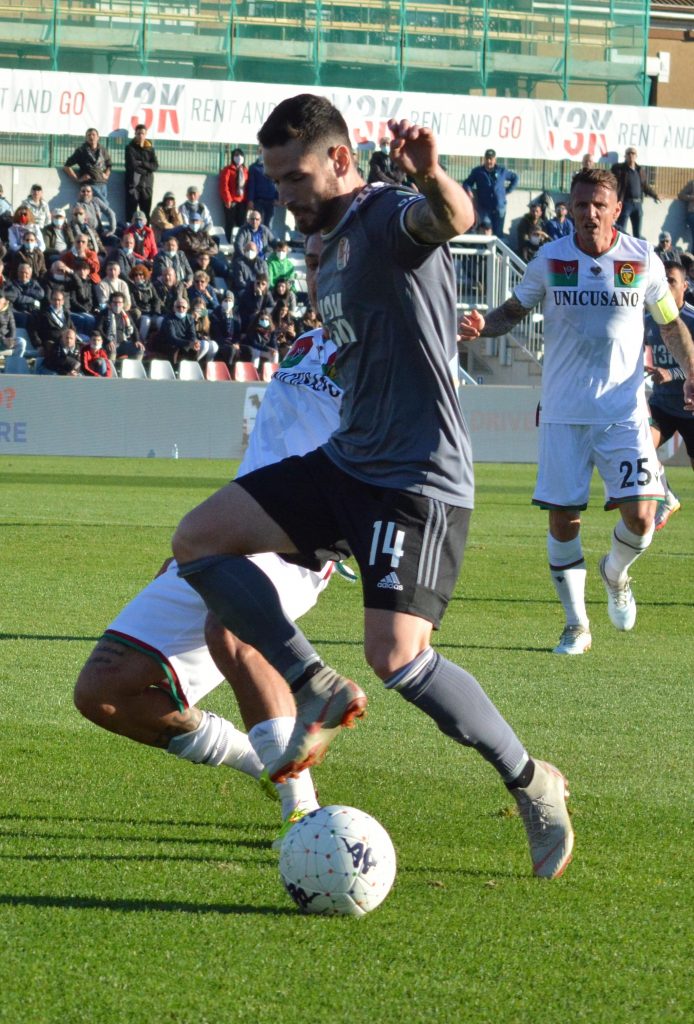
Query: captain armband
point(664, 310)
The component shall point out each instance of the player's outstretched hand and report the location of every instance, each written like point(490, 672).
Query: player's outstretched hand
point(413, 149)
point(470, 326)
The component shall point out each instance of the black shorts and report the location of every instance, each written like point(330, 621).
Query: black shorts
point(409, 548)
point(668, 425)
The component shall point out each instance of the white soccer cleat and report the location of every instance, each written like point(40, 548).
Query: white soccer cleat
point(542, 806)
point(666, 509)
point(621, 606)
point(574, 640)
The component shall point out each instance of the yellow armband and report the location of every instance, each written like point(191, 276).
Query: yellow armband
point(664, 310)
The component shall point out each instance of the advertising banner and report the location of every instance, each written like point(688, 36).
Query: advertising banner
point(62, 103)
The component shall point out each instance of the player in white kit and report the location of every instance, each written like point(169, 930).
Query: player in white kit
point(595, 286)
point(161, 655)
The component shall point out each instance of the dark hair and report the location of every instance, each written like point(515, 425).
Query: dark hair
point(675, 265)
point(137, 126)
point(596, 176)
point(311, 119)
point(116, 295)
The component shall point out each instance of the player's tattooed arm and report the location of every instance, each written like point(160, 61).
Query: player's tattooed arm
point(504, 318)
point(447, 212)
point(681, 345)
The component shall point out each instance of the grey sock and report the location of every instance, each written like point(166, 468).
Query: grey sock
point(461, 710)
point(246, 602)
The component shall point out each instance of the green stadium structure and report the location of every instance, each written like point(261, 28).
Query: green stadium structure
point(592, 50)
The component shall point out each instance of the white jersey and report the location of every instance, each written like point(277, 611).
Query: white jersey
point(300, 407)
point(594, 308)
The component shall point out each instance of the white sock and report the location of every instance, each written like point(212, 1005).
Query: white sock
point(626, 548)
point(269, 741)
point(215, 742)
point(568, 571)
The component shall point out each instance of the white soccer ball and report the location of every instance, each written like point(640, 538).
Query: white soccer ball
point(337, 860)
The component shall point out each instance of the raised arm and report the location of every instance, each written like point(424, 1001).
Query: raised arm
point(448, 211)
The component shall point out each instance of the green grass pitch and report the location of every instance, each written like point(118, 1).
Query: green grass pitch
point(138, 889)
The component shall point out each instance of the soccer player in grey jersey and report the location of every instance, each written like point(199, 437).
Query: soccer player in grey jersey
point(395, 481)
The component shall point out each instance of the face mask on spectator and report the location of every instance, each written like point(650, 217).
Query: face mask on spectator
point(23, 218)
point(57, 277)
point(79, 217)
point(238, 160)
point(180, 313)
point(251, 254)
point(139, 222)
point(58, 221)
point(228, 307)
point(30, 246)
point(195, 225)
point(264, 323)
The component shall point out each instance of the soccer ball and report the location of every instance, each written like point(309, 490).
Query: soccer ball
point(337, 860)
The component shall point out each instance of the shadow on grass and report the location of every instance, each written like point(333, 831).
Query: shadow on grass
point(139, 906)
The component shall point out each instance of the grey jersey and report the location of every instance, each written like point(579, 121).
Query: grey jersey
point(389, 303)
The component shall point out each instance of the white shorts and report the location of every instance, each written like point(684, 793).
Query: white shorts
point(623, 453)
point(167, 621)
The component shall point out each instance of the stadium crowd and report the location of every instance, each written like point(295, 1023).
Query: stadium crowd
point(87, 289)
point(159, 283)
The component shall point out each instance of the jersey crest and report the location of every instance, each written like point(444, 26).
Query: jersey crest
point(628, 273)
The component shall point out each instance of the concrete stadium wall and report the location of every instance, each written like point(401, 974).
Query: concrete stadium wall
point(77, 416)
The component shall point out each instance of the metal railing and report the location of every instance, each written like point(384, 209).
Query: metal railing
point(487, 271)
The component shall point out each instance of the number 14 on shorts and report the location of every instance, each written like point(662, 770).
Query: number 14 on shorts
point(392, 544)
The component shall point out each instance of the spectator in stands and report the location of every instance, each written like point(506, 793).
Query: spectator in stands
point(261, 194)
point(146, 307)
point(177, 337)
point(100, 217)
point(686, 195)
point(245, 267)
point(62, 357)
point(257, 232)
point(80, 293)
point(531, 233)
point(23, 218)
point(93, 164)
point(309, 320)
point(119, 331)
point(201, 320)
point(285, 329)
point(57, 235)
point(170, 255)
point(30, 253)
point(48, 324)
point(559, 225)
point(80, 227)
point(258, 343)
point(687, 261)
point(145, 242)
point(281, 292)
point(125, 254)
point(200, 288)
point(194, 238)
point(489, 184)
point(80, 251)
point(140, 164)
point(25, 294)
point(632, 186)
point(165, 216)
point(38, 206)
point(667, 252)
point(203, 261)
point(279, 265)
point(8, 327)
point(113, 284)
point(193, 205)
point(225, 329)
point(587, 162)
point(382, 168)
point(232, 191)
point(254, 299)
point(5, 206)
point(94, 357)
point(169, 289)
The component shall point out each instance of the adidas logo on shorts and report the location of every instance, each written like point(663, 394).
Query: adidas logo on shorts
point(390, 582)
